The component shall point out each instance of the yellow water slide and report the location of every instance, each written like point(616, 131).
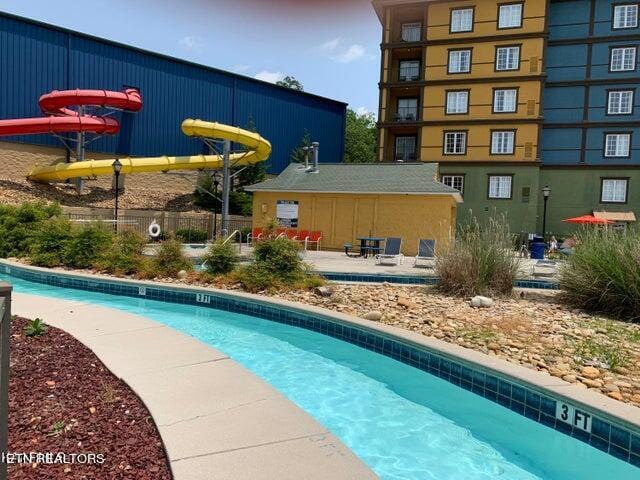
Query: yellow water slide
point(259, 150)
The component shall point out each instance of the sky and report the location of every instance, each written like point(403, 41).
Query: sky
point(330, 46)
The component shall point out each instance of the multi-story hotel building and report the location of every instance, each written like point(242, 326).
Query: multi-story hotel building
point(511, 96)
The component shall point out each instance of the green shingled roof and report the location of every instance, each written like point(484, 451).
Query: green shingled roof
point(412, 178)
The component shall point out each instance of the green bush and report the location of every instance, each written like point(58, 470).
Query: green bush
point(50, 242)
point(19, 225)
point(221, 258)
point(481, 261)
point(124, 255)
point(280, 257)
point(170, 259)
point(87, 245)
point(603, 273)
point(191, 235)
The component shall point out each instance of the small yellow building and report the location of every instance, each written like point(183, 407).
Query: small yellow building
point(347, 201)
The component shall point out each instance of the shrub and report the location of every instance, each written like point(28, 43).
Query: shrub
point(170, 259)
point(603, 273)
point(191, 235)
point(280, 257)
point(35, 328)
point(256, 278)
point(87, 245)
point(480, 261)
point(18, 226)
point(221, 258)
point(124, 255)
point(50, 241)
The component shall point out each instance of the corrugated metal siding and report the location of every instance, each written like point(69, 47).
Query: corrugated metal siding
point(35, 59)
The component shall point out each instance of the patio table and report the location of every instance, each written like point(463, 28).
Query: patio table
point(370, 245)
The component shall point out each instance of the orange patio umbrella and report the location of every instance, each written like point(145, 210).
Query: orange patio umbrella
point(588, 220)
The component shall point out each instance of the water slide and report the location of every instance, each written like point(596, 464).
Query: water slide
point(61, 119)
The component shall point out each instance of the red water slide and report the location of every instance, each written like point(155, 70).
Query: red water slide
point(60, 118)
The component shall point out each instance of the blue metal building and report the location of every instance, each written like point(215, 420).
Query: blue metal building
point(585, 81)
point(36, 58)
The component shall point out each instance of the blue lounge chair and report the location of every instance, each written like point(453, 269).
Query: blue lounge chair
point(392, 254)
point(426, 252)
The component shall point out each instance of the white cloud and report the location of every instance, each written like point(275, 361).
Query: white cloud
point(268, 76)
point(362, 111)
point(191, 43)
point(241, 68)
point(337, 50)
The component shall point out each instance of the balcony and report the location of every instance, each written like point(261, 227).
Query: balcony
point(410, 32)
point(406, 114)
point(409, 72)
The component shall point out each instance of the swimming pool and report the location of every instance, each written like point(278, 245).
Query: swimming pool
point(403, 422)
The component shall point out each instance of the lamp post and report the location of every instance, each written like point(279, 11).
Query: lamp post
point(546, 191)
point(117, 167)
point(216, 183)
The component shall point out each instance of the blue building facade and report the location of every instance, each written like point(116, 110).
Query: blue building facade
point(36, 58)
point(591, 131)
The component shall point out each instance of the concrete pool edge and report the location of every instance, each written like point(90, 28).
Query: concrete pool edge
point(191, 389)
point(611, 411)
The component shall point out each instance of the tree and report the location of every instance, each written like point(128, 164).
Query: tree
point(298, 153)
point(290, 82)
point(361, 136)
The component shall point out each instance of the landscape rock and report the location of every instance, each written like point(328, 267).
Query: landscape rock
point(481, 302)
point(374, 315)
point(182, 274)
point(323, 291)
point(590, 372)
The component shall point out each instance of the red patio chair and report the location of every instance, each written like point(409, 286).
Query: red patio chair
point(255, 235)
point(281, 232)
point(314, 237)
point(292, 234)
point(303, 235)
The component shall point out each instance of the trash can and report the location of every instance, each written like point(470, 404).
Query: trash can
point(537, 250)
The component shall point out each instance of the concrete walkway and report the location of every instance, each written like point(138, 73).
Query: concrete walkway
point(217, 420)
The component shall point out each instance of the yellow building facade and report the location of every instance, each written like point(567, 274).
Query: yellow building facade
point(461, 81)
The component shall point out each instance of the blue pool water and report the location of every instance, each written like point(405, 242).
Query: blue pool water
point(404, 423)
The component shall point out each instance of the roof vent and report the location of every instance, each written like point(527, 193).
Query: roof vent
point(315, 146)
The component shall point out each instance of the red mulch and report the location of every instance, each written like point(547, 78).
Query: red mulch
point(54, 379)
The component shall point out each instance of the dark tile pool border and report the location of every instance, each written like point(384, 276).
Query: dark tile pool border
point(606, 435)
point(420, 280)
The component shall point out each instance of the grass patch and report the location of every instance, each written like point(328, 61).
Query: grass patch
point(480, 261)
point(609, 355)
point(603, 274)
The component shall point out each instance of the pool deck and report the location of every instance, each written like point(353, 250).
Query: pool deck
point(216, 419)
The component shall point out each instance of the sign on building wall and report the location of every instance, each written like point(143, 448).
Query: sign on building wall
point(287, 213)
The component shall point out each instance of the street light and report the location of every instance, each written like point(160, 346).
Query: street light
point(117, 167)
point(546, 191)
point(216, 182)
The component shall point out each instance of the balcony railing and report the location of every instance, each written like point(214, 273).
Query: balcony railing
point(411, 33)
point(406, 114)
point(409, 73)
point(406, 156)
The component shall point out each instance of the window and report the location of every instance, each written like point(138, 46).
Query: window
point(625, 16)
point(454, 181)
point(617, 144)
point(455, 143)
point(409, 70)
point(510, 16)
point(405, 149)
point(623, 59)
point(505, 100)
point(507, 58)
point(457, 102)
point(503, 143)
point(620, 102)
point(411, 32)
point(461, 20)
point(407, 109)
point(500, 186)
point(459, 61)
point(613, 190)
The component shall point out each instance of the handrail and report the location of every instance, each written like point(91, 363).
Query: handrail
point(235, 235)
